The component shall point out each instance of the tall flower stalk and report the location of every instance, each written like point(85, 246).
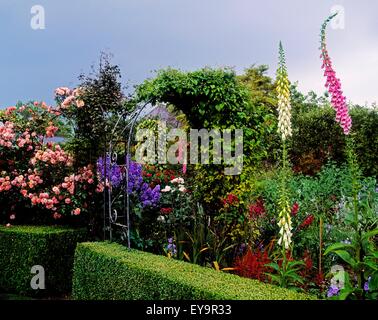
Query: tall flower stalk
point(333, 84)
point(338, 102)
point(284, 129)
point(356, 254)
point(283, 93)
point(286, 272)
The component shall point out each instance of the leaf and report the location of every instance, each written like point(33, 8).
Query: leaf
point(204, 249)
point(371, 264)
point(373, 283)
point(229, 247)
point(274, 277)
point(186, 256)
point(368, 235)
point(292, 264)
point(297, 278)
point(345, 255)
point(229, 269)
point(216, 265)
point(345, 293)
point(219, 107)
point(273, 265)
point(338, 246)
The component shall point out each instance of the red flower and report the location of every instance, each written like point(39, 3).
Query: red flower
point(319, 279)
point(295, 209)
point(230, 200)
point(307, 222)
point(308, 261)
point(166, 210)
point(257, 209)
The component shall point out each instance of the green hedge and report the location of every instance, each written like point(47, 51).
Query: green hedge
point(22, 247)
point(109, 271)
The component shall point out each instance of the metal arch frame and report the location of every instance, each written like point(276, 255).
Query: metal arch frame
point(110, 214)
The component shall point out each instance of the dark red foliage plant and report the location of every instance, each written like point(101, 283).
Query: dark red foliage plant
point(256, 209)
point(253, 263)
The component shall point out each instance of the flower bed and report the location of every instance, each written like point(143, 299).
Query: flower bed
point(110, 271)
point(22, 247)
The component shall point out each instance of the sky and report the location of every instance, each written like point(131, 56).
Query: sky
point(147, 35)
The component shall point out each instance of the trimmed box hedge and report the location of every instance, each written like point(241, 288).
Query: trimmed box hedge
point(53, 248)
point(109, 271)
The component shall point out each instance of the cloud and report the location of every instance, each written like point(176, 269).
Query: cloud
point(146, 35)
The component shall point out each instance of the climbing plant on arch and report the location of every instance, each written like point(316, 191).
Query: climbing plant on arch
point(209, 99)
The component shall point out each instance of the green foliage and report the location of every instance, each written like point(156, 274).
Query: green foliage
point(317, 138)
point(209, 98)
point(326, 196)
point(286, 274)
point(260, 86)
point(361, 255)
point(22, 247)
point(214, 99)
point(112, 272)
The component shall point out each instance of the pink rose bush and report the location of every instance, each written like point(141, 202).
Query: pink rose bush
point(36, 173)
point(69, 98)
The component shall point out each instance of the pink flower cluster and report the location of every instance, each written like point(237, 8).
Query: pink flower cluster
point(60, 194)
point(7, 134)
point(44, 199)
point(333, 85)
point(51, 130)
point(53, 154)
point(30, 180)
point(9, 110)
point(44, 176)
point(5, 184)
point(26, 140)
point(70, 97)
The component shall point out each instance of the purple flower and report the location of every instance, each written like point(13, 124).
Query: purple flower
point(111, 170)
point(135, 176)
point(148, 196)
point(171, 247)
point(366, 285)
point(333, 291)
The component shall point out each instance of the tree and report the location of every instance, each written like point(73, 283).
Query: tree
point(260, 86)
point(104, 102)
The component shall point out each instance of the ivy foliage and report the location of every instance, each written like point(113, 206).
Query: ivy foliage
point(212, 98)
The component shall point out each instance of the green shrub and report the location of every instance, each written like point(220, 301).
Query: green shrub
point(317, 138)
point(22, 247)
point(109, 271)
